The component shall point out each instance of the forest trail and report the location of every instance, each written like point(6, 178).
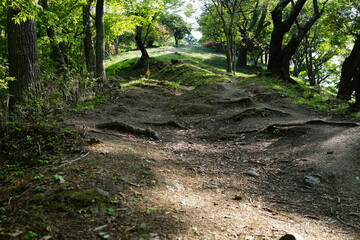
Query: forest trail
point(225, 161)
point(231, 162)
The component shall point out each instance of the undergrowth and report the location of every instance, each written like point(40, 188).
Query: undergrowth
point(34, 140)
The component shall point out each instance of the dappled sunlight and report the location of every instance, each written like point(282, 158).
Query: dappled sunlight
point(218, 176)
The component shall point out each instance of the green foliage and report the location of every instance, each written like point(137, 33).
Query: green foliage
point(27, 9)
point(30, 235)
point(90, 104)
point(179, 28)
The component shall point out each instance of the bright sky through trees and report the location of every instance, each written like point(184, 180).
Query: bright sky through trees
point(192, 20)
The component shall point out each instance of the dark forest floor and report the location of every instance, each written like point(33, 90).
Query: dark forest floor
point(231, 162)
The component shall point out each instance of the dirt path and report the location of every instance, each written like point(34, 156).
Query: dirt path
point(230, 163)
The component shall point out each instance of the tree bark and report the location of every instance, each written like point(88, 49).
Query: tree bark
point(100, 42)
point(278, 64)
point(348, 70)
point(242, 57)
point(140, 44)
point(279, 59)
point(116, 44)
point(229, 8)
point(88, 40)
point(23, 58)
point(229, 52)
point(258, 23)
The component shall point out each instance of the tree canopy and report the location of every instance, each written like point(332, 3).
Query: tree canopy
point(315, 40)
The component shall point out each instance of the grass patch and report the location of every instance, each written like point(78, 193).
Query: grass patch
point(171, 67)
point(90, 104)
point(319, 99)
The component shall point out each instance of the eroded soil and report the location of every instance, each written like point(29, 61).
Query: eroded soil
point(231, 162)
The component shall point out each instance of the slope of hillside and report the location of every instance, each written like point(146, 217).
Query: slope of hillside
point(230, 159)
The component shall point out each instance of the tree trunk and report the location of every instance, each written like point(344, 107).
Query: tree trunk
point(296, 68)
point(88, 40)
point(229, 53)
point(100, 42)
point(279, 61)
point(242, 57)
point(349, 67)
point(140, 44)
point(278, 64)
point(116, 44)
point(23, 58)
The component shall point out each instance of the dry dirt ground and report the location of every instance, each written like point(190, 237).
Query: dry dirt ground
point(230, 162)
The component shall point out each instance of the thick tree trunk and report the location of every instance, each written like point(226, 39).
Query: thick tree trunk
point(88, 40)
point(242, 57)
point(258, 23)
point(100, 42)
point(23, 58)
point(230, 49)
point(279, 60)
point(349, 67)
point(278, 64)
point(140, 44)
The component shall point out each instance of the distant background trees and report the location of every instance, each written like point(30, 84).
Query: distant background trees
point(63, 44)
point(317, 40)
point(53, 51)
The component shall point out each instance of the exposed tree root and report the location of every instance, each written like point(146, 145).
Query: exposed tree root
point(346, 124)
point(169, 123)
point(242, 101)
point(257, 112)
point(314, 121)
point(127, 128)
point(271, 127)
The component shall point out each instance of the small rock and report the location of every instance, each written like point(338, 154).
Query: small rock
point(154, 236)
point(238, 197)
point(94, 210)
point(104, 152)
point(293, 236)
point(174, 184)
point(93, 141)
point(103, 192)
point(330, 152)
point(312, 181)
point(47, 237)
point(253, 173)
point(16, 233)
point(104, 235)
point(143, 226)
